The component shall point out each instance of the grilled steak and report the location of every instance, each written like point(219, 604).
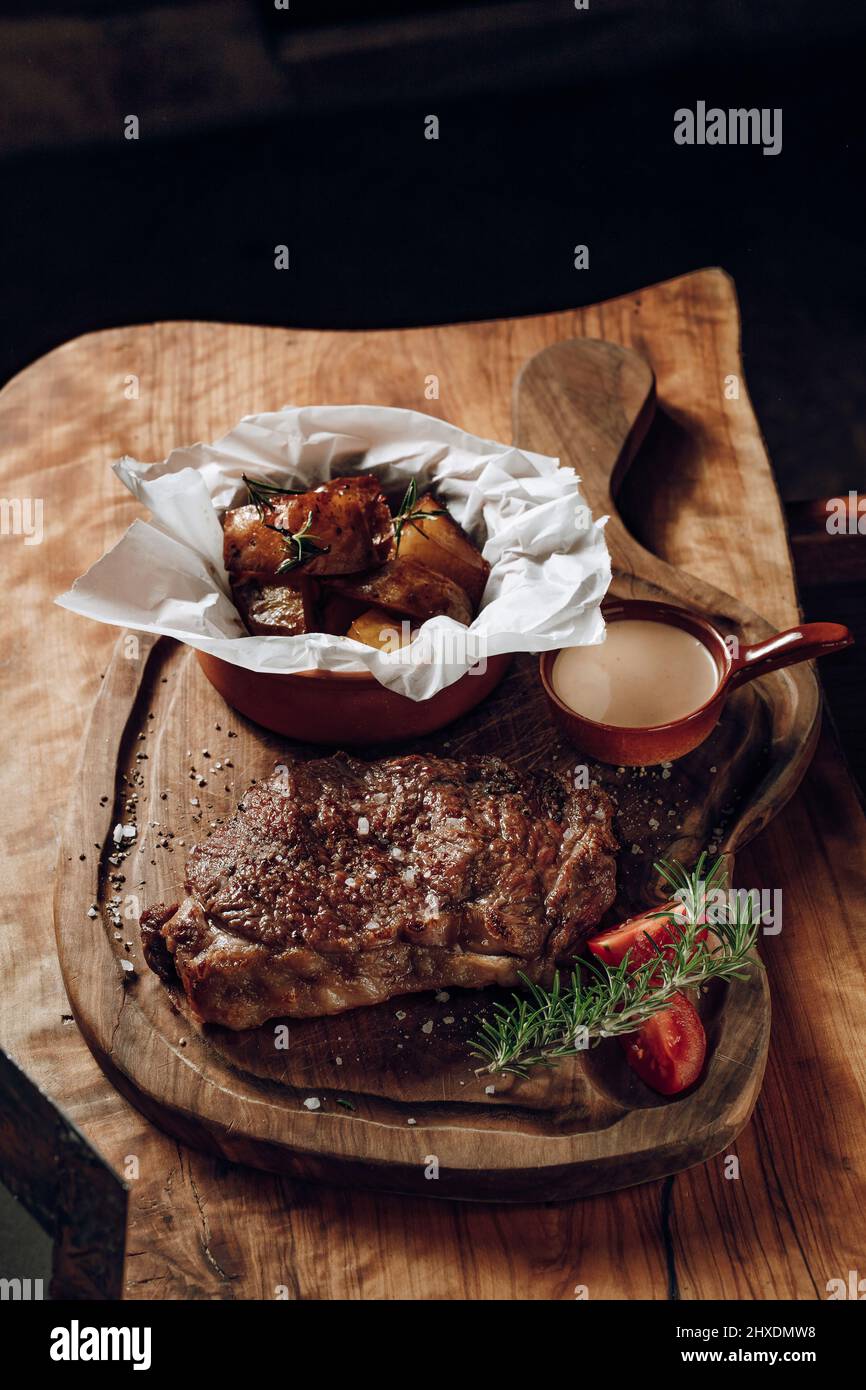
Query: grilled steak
point(340, 883)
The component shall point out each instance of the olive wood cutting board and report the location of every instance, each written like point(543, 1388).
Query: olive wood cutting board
point(398, 1098)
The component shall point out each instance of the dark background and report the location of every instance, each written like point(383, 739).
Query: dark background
point(261, 126)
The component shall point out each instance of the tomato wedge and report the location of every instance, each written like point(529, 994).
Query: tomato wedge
point(668, 1051)
point(631, 936)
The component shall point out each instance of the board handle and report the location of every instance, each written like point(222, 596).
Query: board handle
point(802, 643)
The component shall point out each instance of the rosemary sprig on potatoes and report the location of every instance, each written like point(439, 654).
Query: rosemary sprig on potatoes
point(302, 545)
point(262, 494)
point(409, 513)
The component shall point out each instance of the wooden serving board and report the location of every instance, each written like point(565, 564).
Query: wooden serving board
point(398, 1099)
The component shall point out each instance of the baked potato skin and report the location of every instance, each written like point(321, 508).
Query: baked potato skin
point(355, 577)
point(404, 586)
point(271, 610)
point(348, 518)
point(441, 545)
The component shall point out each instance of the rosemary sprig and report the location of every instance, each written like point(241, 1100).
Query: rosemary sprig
point(545, 1025)
point(262, 494)
point(692, 890)
point(409, 513)
point(303, 545)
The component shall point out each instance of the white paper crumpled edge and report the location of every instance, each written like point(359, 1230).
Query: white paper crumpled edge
point(550, 567)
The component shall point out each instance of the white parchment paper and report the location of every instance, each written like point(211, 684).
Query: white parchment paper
point(550, 567)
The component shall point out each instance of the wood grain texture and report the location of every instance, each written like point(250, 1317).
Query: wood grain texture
point(394, 1086)
point(200, 1228)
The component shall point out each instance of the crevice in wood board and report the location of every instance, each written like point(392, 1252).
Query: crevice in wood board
point(222, 1274)
point(667, 1237)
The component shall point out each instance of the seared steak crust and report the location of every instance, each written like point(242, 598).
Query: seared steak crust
point(339, 883)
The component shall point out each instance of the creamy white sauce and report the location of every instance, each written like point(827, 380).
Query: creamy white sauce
point(644, 673)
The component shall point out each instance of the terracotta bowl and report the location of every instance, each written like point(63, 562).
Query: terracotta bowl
point(641, 747)
point(343, 708)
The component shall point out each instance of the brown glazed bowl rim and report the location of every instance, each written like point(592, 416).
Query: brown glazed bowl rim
point(338, 677)
point(318, 673)
point(615, 610)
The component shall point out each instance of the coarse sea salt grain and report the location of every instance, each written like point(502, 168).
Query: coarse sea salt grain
point(312, 1103)
point(363, 825)
point(442, 996)
point(427, 1027)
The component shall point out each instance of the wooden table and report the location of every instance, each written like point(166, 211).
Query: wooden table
point(703, 495)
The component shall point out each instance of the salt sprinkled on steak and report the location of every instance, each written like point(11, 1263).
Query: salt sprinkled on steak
point(342, 883)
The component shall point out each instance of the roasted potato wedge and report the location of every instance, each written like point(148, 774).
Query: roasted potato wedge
point(443, 546)
point(378, 628)
point(334, 612)
point(271, 609)
point(340, 528)
point(407, 587)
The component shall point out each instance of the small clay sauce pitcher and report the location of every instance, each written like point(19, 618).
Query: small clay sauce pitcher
point(643, 746)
